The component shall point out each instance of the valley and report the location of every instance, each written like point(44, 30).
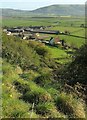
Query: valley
point(44, 66)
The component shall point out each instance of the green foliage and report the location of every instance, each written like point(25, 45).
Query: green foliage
point(16, 51)
point(49, 102)
point(41, 50)
point(33, 73)
point(76, 71)
point(45, 54)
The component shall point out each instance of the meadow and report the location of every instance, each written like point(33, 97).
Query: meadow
point(71, 24)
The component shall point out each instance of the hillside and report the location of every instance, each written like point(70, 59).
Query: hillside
point(31, 87)
point(74, 74)
point(61, 10)
point(53, 10)
point(41, 80)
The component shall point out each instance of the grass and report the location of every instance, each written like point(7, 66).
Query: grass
point(49, 110)
point(29, 75)
point(22, 88)
point(73, 41)
point(15, 108)
point(65, 24)
point(70, 106)
point(19, 94)
point(57, 52)
point(60, 55)
point(43, 21)
point(22, 22)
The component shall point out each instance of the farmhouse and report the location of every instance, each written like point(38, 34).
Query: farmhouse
point(54, 41)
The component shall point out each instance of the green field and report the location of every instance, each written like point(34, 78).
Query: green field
point(53, 21)
point(62, 24)
point(71, 24)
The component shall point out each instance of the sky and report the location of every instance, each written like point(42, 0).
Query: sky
point(34, 4)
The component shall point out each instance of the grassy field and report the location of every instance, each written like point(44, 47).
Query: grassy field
point(71, 24)
point(60, 21)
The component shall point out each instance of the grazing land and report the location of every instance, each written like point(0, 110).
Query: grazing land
point(42, 80)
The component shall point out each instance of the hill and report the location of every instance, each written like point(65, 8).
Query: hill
point(53, 10)
point(31, 87)
point(61, 10)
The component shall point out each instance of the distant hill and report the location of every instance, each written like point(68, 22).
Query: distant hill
point(53, 10)
point(61, 10)
point(15, 13)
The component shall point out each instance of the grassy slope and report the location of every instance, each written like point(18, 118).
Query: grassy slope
point(24, 87)
point(37, 86)
point(48, 102)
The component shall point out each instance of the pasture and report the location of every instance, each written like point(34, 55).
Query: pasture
point(59, 23)
point(52, 21)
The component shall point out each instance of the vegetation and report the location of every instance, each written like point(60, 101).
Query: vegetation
point(42, 81)
point(25, 85)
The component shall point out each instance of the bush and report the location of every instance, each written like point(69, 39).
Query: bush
point(40, 48)
point(76, 71)
point(41, 51)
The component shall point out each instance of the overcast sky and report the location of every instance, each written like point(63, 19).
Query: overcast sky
point(34, 4)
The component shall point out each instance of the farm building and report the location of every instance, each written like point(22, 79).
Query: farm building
point(12, 30)
point(54, 41)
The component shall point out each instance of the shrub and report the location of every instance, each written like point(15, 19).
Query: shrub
point(40, 48)
point(41, 51)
